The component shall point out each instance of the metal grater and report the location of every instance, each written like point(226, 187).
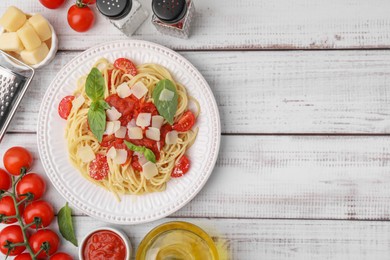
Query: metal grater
point(13, 85)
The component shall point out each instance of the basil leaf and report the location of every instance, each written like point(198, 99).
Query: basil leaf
point(94, 85)
point(104, 104)
point(97, 120)
point(166, 109)
point(149, 154)
point(65, 224)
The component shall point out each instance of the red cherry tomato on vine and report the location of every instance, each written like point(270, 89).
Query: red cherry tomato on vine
point(65, 107)
point(32, 183)
point(126, 66)
point(24, 256)
point(7, 208)
point(44, 235)
point(61, 256)
point(12, 234)
point(52, 4)
point(185, 123)
point(5, 180)
point(40, 209)
point(80, 18)
point(181, 167)
point(17, 158)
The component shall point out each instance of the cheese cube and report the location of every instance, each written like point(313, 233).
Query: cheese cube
point(29, 37)
point(10, 42)
point(149, 170)
point(111, 153)
point(78, 102)
point(166, 95)
point(123, 90)
point(121, 133)
point(135, 133)
point(143, 119)
point(13, 19)
point(41, 26)
point(35, 56)
point(139, 90)
point(171, 137)
point(121, 156)
point(157, 121)
point(113, 114)
point(86, 154)
point(153, 133)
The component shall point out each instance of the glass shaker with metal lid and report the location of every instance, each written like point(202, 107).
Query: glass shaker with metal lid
point(173, 17)
point(126, 15)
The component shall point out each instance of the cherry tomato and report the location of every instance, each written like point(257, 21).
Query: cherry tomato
point(7, 208)
point(52, 4)
point(98, 168)
point(12, 234)
point(32, 183)
point(5, 180)
point(181, 167)
point(185, 123)
point(80, 18)
point(24, 256)
point(40, 209)
point(44, 235)
point(61, 256)
point(126, 66)
point(17, 158)
point(89, 2)
point(65, 106)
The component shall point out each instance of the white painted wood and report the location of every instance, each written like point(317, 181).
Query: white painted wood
point(230, 24)
point(253, 239)
point(308, 177)
point(275, 92)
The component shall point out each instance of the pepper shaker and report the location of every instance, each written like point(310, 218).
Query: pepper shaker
point(126, 15)
point(173, 17)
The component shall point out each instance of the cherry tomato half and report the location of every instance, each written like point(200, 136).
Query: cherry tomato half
point(80, 19)
point(65, 107)
point(7, 208)
point(181, 167)
point(32, 183)
point(126, 66)
point(12, 234)
point(61, 256)
point(44, 235)
point(98, 168)
point(185, 123)
point(5, 180)
point(24, 256)
point(52, 4)
point(17, 158)
point(40, 209)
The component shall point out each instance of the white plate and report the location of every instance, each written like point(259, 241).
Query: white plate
point(94, 200)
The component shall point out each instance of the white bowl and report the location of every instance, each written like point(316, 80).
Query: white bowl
point(119, 232)
point(50, 56)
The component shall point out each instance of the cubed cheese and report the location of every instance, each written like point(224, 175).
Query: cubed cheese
point(35, 56)
point(111, 153)
point(113, 114)
point(29, 37)
point(121, 156)
point(121, 133)
point(135, 133)
point(171, 137)
point(143, 119)
point(112, 127)
point(78, 102)
point(41, 26)
point(13, 19)
point(157, 121)
point(153, 133)
point(166, 95)
point(149, 170)
point(131, 123)
point(123, 90)
point(86, 154)
point(10, 42)
point(139, 90)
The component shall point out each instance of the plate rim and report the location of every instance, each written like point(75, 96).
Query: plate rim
point(149, 217)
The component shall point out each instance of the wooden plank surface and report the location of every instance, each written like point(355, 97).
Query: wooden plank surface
point(307, 177)
point(253, 239)
point(231, 24)
point(274, 92)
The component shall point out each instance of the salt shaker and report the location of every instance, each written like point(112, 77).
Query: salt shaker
point(173, 17)
point(126, 15)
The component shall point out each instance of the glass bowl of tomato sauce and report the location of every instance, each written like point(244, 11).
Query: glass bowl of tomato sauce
point(105, 243)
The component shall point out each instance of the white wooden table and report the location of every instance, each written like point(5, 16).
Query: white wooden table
point(303, 89)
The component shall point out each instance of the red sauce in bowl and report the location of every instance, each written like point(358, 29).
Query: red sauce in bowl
point(104, 245)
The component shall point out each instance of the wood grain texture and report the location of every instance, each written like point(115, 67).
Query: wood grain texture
point(253, 239)
point(309, 177)
point(274, 92)
point(230, 24)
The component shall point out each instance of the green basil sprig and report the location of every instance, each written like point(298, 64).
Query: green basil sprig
point(65, 224)
point(149, 155)
point(94, 88)
point(166, 109)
